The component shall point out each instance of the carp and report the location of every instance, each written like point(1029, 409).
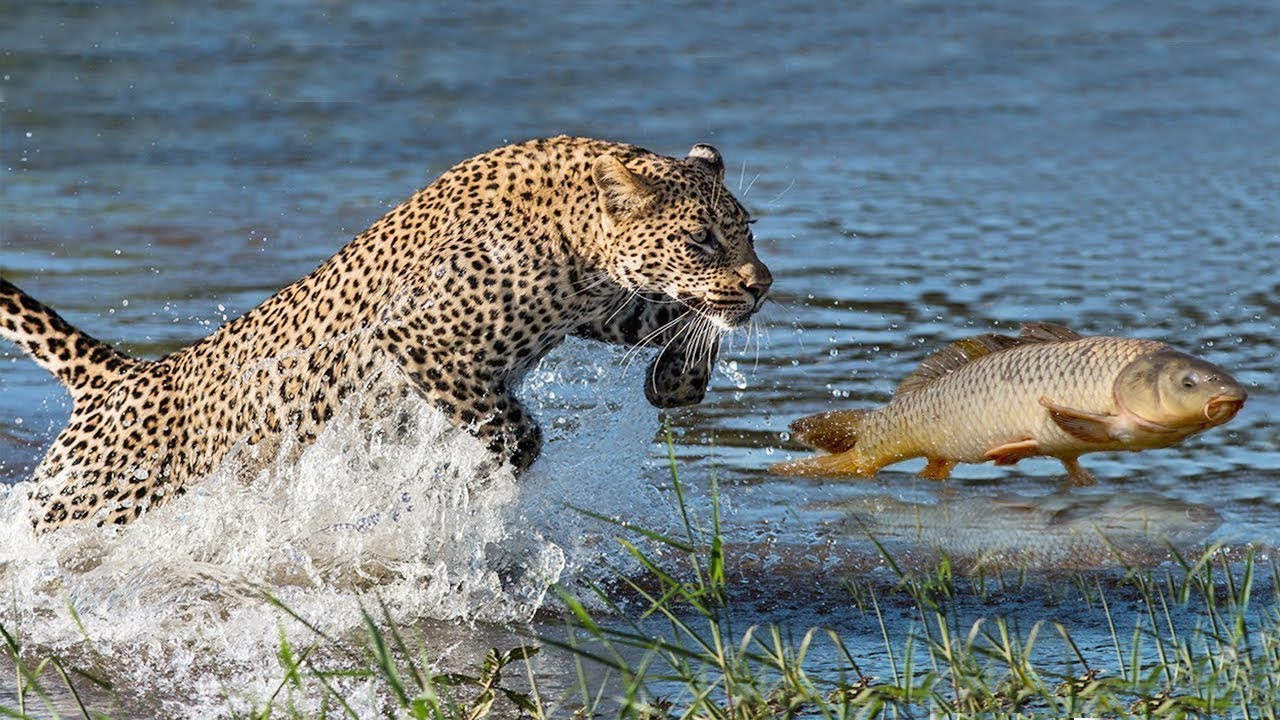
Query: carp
point(1046, 392)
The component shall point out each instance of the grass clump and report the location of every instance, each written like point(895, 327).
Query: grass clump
point(398, 674)
point(381, 664)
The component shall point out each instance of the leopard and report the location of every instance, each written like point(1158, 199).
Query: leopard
point(455, 295)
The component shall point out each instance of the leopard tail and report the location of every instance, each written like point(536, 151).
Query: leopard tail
point(79, 361)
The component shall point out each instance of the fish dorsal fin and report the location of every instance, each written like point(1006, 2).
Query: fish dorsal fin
point(955, 356)
point(1047, 332)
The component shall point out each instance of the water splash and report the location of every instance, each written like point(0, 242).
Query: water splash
point(406, 511)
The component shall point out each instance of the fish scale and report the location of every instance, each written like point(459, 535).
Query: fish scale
point(1048, 392)
point(1000, 394)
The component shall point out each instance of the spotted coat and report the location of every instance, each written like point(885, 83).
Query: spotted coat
point(456, 294)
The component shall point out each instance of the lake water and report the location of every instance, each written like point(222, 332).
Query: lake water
point(922, 171)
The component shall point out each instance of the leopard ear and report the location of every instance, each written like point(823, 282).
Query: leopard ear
point(709, 157)
point(621, 191)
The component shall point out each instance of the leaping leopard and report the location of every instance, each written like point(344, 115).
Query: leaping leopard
point(461, 289)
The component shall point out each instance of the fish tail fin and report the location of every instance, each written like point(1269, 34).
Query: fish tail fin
point(842, 464)
point(835, 431)
point(76, 359)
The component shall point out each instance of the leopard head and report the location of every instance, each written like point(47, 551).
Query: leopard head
point(670, 229)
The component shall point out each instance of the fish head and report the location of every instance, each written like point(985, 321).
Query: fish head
point(1170, 391)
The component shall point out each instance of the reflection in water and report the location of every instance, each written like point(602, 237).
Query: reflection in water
point(1059, 532)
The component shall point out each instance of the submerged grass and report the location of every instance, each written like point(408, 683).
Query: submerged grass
point(1205, 643)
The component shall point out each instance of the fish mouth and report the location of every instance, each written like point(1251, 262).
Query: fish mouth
point(1221, 408)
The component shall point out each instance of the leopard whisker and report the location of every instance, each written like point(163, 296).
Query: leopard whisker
point(715, 341)
point(634, 353)
point(663, 300)
point(708, 340)
point(790, 310)
point(592, 283)
point(757, 330)
point(785, 190)
point(622, 305)
point(634, 350)
point(795, 319)
point(672, 341)
point(693, 348)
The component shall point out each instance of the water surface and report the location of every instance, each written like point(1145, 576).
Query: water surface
point(921, 171)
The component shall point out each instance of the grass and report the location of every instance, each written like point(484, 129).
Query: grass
point(1204, 643)
point(1202, 647)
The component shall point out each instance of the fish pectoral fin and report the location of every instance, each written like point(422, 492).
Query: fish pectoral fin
point(842, 465)
point(937, 469)
point(1086, 426)
point(1011, 453)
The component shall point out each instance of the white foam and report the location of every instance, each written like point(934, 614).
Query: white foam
point(418, 517)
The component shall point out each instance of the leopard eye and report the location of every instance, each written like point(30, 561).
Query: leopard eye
point(704, 240)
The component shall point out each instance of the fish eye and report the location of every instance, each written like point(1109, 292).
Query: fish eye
point(1190, 380)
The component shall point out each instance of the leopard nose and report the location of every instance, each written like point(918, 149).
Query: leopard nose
point(758, 289)
point(757, 282)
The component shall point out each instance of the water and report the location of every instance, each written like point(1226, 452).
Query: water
point(922, 171)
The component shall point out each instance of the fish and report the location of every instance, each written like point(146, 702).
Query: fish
point(1063, 531)
point(1048, 392)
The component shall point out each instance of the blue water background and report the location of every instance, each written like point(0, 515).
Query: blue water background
point(921, 171)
